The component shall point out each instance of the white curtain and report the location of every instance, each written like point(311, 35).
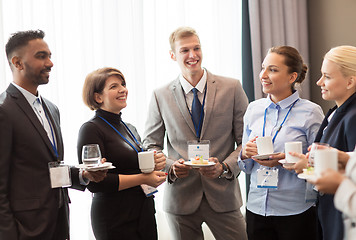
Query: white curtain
point(274, 23)
point(131, 35)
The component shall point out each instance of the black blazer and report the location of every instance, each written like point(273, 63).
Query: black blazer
point(29, 207)
point(341, 134)
point(341, 131)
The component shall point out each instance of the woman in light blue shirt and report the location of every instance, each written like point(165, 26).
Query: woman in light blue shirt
point(279, 211)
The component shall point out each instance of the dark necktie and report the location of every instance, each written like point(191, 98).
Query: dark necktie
point(197, 113)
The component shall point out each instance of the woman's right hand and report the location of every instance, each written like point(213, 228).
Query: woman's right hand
point(155, 178)
point(250, 149)
point(300, 165)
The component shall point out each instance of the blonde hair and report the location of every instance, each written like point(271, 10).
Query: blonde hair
point(95, 83)
point(179, 33)
point(345, 57)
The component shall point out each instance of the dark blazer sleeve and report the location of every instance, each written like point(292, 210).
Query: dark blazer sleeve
point(7, 222)
point(350, 123)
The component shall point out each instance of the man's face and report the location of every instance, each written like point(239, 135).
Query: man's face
point(188, 55)
point(36, 62)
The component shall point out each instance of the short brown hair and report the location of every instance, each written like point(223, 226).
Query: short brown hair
point(179, 33)
point(95, 83)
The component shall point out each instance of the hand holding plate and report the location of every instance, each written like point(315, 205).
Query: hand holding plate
point(180, 170)
point(212, 171)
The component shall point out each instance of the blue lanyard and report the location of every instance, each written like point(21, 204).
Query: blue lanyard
point(133, 136)
point(54, 142)
point(264, 121)
point(197, 129)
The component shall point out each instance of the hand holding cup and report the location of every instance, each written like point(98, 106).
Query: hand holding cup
point(160, 160)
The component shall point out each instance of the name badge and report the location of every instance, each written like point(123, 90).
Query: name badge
point(198, 149)
point(148, 190)
point(267, 177)
point(59, 175)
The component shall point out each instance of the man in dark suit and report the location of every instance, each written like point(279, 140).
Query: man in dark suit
point(211, 194)
point(31, 207)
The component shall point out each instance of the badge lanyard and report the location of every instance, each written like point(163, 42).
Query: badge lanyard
point(197, 129)
point(264, 121)
point(54, 142)
point(133, 136)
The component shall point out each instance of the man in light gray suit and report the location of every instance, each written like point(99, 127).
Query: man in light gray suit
point(208, 194)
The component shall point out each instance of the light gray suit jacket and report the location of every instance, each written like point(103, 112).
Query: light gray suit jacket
point(226, 103)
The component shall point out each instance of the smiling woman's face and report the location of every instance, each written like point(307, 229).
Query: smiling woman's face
point(114, 95)
point(275, 77)
point(333, 84)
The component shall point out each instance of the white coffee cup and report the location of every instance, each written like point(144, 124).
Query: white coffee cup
point(264, 145)
point(296, 147)
point(325, 158)
point(146, 161)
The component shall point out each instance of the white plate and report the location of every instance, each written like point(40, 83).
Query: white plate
point(264, 156)
point(189, 163)
point(285, 164)
point(104, 166)
point(307, 176)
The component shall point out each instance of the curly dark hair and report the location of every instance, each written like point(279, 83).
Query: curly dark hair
point(21, 39)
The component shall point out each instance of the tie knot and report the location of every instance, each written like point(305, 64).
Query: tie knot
point(37, 101)
point(195, 91)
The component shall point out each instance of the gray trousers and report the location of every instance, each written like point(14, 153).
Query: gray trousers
point(224, 226)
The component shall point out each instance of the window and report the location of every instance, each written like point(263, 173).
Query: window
point(130, 35)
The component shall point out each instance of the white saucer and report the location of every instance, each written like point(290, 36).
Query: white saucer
point(189, 163)
point(307, 176)
point(264, 156)
point(285, 164)
point(93, 168)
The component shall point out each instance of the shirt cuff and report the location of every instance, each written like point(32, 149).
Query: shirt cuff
point(171, 176)
point(82, 180)
point(229, 175)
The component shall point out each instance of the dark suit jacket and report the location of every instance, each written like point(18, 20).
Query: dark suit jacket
point(29, 207)
point(341, 134)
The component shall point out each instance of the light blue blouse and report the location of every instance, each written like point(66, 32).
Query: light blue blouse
point(302, 124)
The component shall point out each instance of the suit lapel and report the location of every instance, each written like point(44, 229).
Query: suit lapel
point(338, 116)
point(323, 125)
point(23, 104)
point(209, 101)
point(335, 120)
point(177, 92)
point(56, 128)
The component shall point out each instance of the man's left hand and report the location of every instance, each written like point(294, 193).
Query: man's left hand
point(213, 171)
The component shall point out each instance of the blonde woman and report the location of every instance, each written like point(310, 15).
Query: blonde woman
point(337, 83)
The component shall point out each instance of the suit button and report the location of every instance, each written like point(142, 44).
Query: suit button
point(353, 224)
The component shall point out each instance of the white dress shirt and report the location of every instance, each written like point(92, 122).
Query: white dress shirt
point(187, 88)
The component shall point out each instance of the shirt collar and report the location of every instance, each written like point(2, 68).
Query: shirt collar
point(285, 103)
point(29, 96)
point(187, 87)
